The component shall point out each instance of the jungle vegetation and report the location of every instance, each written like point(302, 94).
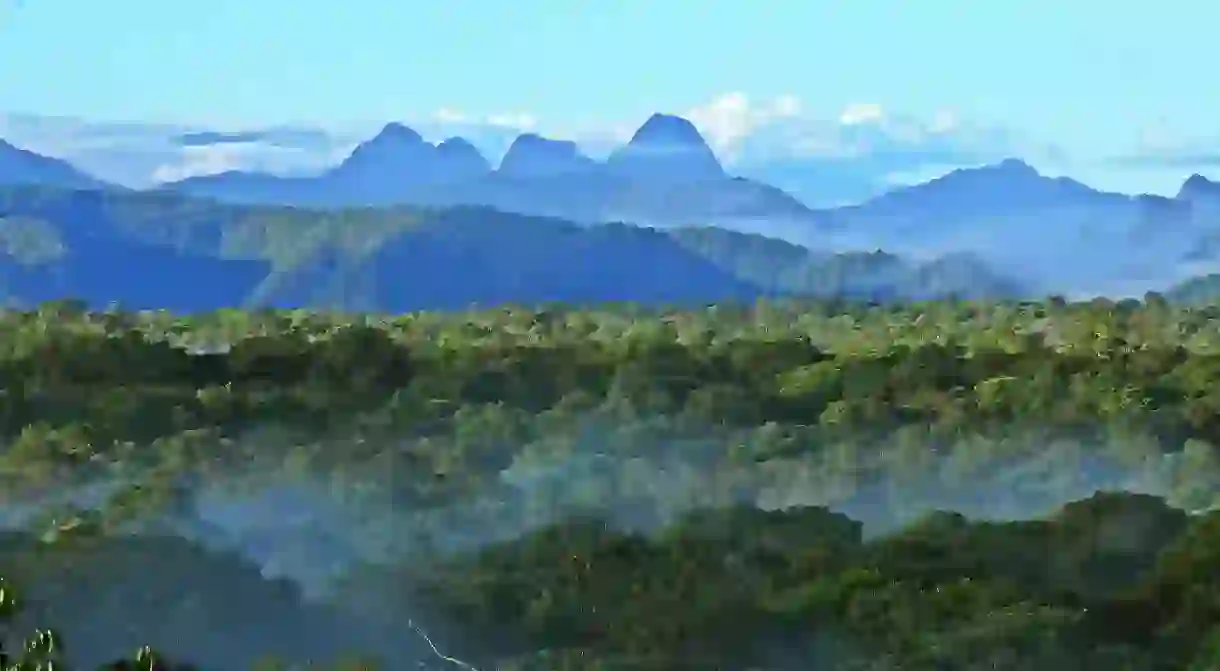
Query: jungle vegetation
point(783, 485)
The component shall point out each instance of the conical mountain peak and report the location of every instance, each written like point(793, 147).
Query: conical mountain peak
point(532, 155)
point(666, 148)
point(670, 130)
point(1197, 186)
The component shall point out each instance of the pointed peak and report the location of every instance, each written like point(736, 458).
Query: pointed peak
point(666, 148)
point(668, 129)
point(397, 133)
point(1015, 166)
point(1198, 185)
point(395, 150)
point(457, 144)
point(458, 158)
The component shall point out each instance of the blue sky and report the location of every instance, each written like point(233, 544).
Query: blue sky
point(1090, 76)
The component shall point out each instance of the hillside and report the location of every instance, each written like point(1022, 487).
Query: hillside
point(162, 250)
point(21, 166)
point(165, 251)
point(791, 269)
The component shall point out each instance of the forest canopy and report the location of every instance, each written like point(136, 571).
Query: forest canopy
point(735, 486)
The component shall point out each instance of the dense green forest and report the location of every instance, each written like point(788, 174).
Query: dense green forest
point(942, 485)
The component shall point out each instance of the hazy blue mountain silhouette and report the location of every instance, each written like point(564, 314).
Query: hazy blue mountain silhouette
point(399, 166)
point(1063, 234)
point(134, 275)
point(396, 166)
point(474, 256)
point(1056, 234)
point(155, 250)
point(20, 166)
point(1010, 185)
point(1199, 188)
point(102, 259)
point(666, 149)
point(1199, 197)
point(665, 176)
point(785, 268)
point(532, 156)
point(164, 250)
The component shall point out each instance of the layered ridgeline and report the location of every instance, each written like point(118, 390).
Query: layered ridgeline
point(1058, 234)
point(712, 489)
point(167, 251)
point(666, 175)
point(1053, 235)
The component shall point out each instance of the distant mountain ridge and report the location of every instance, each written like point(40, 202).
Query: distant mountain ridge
point(165, 250)
point(665, 176)
point(1057, 234)
point(1065, 235)
point(788, 269)
point(1198, 187)
point(20, 166)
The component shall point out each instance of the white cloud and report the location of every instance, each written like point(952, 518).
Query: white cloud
point(1160, 145)
point(724, 119)
point(246, 156)
point(196, 161)
point(861, 113)
point(738, 127)
point(1158, 136)
point(729, 118)
point(448, 115)
point(788, 105)
point(464, 121)
point(944, 121)
point(519, 120)
point(864, 130)
point(862, 149)
point(457, 117)
point(595, 139)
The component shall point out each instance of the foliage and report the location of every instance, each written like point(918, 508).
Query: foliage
point(731, 487)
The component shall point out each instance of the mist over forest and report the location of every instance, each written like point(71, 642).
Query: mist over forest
point(654, 489)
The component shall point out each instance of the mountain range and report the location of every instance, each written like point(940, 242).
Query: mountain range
point(1060, 234)
point(1063, 235)
point(400, 223)
point(168, 251)
point(665, 176)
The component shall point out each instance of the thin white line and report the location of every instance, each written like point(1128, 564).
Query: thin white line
point(451, 660)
